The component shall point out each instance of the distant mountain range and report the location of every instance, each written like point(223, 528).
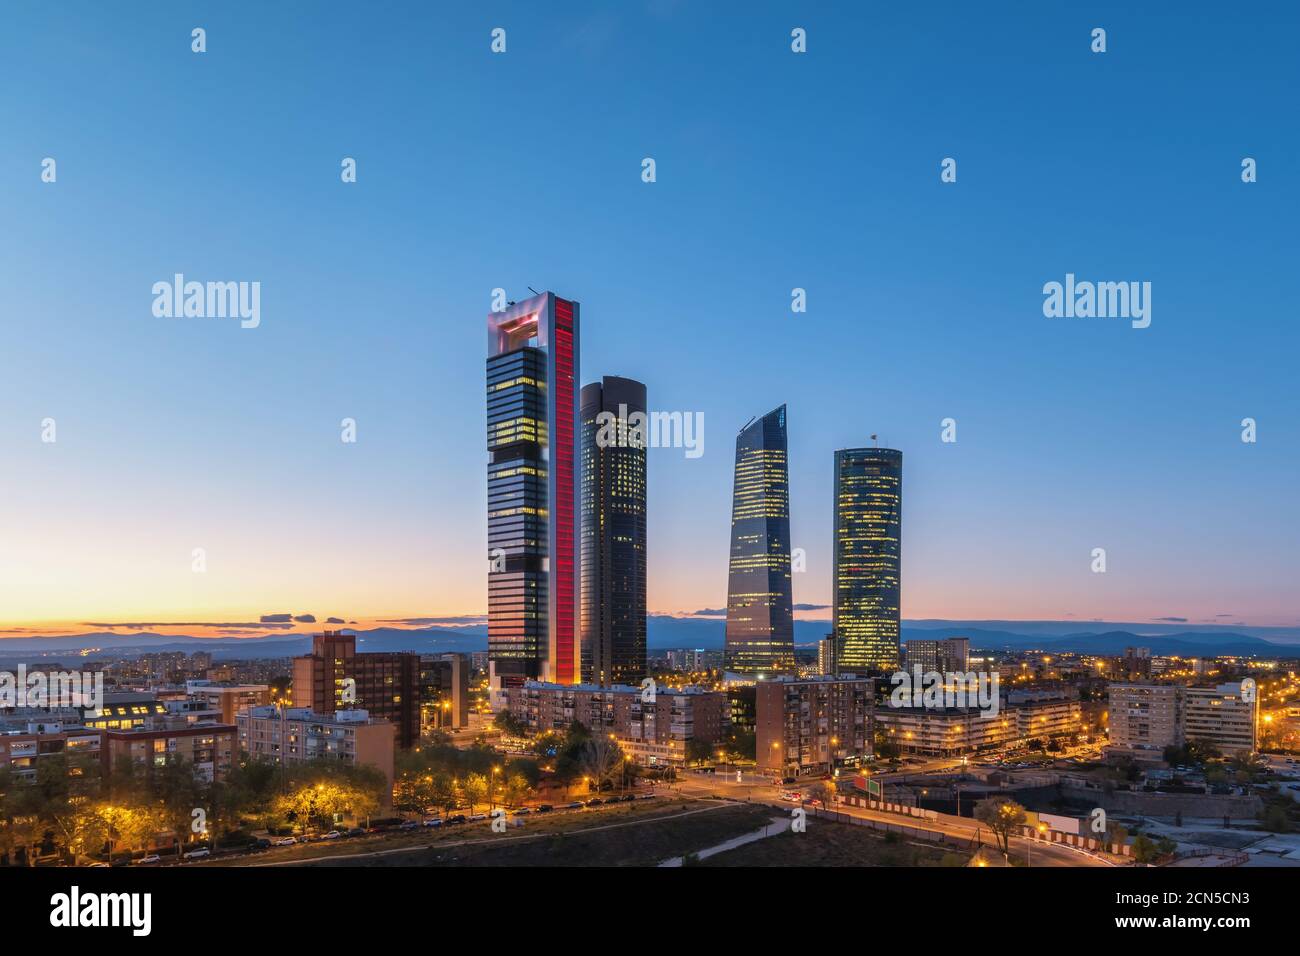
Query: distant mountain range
point(664, 632)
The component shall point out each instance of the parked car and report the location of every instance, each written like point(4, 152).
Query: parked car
point(355, 832)
point(458, 818)
point(284, 841)
point(259, 844)
point(475, 818)
point(411, 825)
point(545, 808)
point(523, 811)
point(433, 822)
point(150, 858)
point(332, 835)
point(197, 854)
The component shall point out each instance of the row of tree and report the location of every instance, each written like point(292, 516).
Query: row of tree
point(73, 810)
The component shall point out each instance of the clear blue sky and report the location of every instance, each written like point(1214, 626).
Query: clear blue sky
point(775, 170)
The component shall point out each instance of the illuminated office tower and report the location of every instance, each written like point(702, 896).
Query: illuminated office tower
point(760, 613)
point(613, 531)
point(532, 422)
point(867, 565)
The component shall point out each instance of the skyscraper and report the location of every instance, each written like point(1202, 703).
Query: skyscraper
point(613, 531)
point(532, 422)
point(385, 684)
point(760, 612)
point(867, 561)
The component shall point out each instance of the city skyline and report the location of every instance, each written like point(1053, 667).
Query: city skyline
point(1073, 434)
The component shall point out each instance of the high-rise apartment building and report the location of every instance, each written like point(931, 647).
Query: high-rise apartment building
point(613, 531)
point(1144, 720)
point(335, 677)
point(533, 487)
point(867, 557)
point(812, 725)
point(760, 604)
point(826, 656)
point(948, 656)
point(1220, 717)
point(444, 691)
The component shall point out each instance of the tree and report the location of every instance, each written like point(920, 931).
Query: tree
point(742, 745)
point(1274, 820)
point(474, 787)
point(1145, 850)
point(1116, 835)
point(516, 790)
point(443, 791)
point(601, 761)
point(508, 723)
point(885, 747)
point(698, 751)
point(1003, 816)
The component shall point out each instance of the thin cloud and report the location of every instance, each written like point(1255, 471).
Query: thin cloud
point(149, 625)
point(462, 620)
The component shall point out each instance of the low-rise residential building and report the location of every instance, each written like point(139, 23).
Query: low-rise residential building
point(210, 748)
point(1022, 716)
point(946, 731)
point(22, 750)
point(298, 734)
point(125, 710)
point(637, 718)
point(229, 700)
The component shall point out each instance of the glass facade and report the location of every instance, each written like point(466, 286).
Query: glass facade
point(532, 420)
point(868, 556)
point(760, 613)
point(613, 534)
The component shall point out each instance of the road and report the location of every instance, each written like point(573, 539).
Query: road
point(1038, 854)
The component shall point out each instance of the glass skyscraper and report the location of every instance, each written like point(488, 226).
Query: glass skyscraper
point(868, 555)
point(760, 612)
point(613, 531)
point(532, 422)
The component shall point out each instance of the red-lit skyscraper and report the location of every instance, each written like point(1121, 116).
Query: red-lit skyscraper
point(532, 423)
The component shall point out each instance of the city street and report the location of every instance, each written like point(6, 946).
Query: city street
point(755, 789)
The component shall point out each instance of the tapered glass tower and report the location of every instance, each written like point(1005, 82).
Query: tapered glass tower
point(868, 557)
point(532, 422)
point(613, 460)
point(760, 612)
